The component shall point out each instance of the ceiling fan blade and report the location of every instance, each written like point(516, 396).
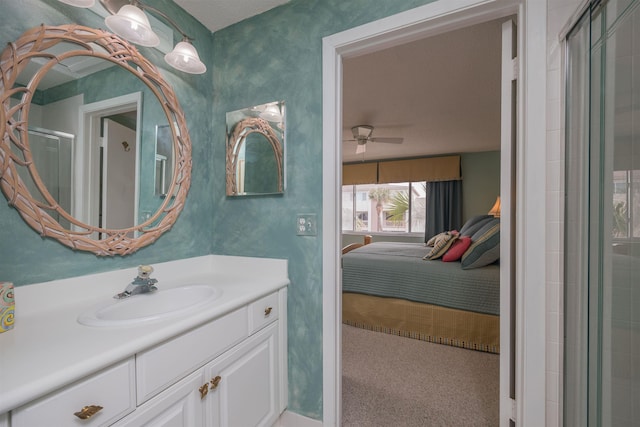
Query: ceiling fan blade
point(361, 148)
point(387, 140)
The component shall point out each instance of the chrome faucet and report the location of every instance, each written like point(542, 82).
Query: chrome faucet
point(141, 285)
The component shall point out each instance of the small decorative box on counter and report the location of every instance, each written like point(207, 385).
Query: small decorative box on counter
point(7, 306)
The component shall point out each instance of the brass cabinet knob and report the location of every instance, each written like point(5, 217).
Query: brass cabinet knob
point(267, 311)
point(215, 382)
point(204, 390)
point(88, 412)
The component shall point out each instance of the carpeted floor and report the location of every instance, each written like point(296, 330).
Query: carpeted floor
point(393, 381)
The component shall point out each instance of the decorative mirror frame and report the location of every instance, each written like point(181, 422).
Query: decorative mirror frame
point(237, 137)
point(14, 130)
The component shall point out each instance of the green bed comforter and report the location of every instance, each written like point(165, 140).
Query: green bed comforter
point(397, 270)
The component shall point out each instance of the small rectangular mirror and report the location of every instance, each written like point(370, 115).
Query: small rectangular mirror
point(255, 150)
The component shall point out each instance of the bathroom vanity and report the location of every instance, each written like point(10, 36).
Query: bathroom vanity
point(219, 361)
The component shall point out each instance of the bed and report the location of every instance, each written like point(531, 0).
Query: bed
point(390, 287)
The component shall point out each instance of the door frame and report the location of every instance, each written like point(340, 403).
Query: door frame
point(434, 18)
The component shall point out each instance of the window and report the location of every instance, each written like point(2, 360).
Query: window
point(384, 208)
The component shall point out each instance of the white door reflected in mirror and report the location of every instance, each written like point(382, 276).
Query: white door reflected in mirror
point(119, 195)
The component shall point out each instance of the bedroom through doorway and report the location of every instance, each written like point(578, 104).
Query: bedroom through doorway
point(442, 96)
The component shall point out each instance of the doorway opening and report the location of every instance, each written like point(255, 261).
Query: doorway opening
point(431, 19)
point(108, 162)
point(435, 99)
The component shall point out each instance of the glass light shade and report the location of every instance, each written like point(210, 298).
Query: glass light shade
point(79, 3)
point(184, 57)
point(132, 24)
point(495, 210)
point(271, 113)
point(361, 131)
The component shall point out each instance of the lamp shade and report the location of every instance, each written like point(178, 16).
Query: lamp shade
point(132, 24)
point(495, 210)
point(184, 57)
point(79, 3)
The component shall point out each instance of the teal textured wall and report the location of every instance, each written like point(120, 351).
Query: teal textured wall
point(278, 56)
point(480, 182)
point(274, 56)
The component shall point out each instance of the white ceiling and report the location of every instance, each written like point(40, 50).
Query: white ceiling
point(218, 14)
point(441, 94)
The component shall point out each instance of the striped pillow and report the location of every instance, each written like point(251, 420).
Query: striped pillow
point(485, 246)
point(441, 244)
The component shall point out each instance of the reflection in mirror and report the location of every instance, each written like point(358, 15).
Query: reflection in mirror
point(255, 150)
point(164, 160)
point(80, 163)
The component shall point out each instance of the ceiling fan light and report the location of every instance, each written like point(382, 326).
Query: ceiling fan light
point(362, 131)
point(184, 57)
point(78, 3)
point(132, 24)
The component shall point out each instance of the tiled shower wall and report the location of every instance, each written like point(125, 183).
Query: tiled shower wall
point(559, 12)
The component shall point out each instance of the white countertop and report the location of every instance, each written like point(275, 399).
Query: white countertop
point(48, 348)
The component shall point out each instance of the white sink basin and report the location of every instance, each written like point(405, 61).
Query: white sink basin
point(149, 307)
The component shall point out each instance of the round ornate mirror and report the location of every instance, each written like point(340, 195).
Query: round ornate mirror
point(41, 189)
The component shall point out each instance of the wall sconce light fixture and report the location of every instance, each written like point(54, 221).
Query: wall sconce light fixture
point(129, 21)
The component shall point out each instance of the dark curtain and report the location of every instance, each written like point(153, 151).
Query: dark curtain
point(444, 207)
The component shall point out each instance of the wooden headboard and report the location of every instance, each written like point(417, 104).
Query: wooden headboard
point(352, 246)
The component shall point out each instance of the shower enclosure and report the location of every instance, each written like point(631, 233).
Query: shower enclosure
point(602, 217)
point(52, 153)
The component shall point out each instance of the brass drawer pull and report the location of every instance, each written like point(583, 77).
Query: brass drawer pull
point(267, 311)
point(204, 390)
point(215, 382)
point(88, 412)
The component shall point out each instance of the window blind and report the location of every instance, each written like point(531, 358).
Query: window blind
point(428, 169)
point(360, 173)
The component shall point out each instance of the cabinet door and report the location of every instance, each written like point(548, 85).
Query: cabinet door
point(181, 405)
point(244, 383)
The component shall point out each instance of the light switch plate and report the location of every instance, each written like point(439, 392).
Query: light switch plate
point(306, 225)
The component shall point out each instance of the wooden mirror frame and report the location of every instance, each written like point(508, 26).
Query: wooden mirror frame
point(14, 130)
point(239, 135)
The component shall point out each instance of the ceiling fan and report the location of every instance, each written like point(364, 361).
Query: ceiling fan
point(362, 135)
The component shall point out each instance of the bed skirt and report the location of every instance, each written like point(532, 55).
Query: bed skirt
point(458, 328)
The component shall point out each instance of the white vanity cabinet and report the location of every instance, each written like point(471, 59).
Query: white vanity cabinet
point(230, 372)
point(239, 386)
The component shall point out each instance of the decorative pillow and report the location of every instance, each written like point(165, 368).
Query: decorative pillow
point(485, 246)
point(457, 249)
point(441, 244)
point(474, 224)
point(432, 240)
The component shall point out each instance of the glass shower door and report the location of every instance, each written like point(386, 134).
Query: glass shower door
point(52, 153)
point(602, 213)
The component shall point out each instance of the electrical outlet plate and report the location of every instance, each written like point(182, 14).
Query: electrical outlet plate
point(306, 225)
